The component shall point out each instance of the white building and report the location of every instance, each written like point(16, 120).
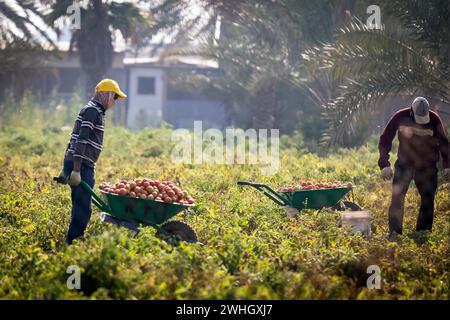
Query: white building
point(146, 91)
point(151, 99)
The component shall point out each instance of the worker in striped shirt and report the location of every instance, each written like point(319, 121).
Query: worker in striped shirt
point(83, 151)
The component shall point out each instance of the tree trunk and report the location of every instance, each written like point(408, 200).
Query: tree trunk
point(265, 107)
point(95, 46)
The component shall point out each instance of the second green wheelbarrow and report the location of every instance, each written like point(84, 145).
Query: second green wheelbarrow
point(307, 199)
point(132, 212)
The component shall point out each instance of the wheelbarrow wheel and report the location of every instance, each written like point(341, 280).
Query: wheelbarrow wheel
point(180, 230)
point(346, 205)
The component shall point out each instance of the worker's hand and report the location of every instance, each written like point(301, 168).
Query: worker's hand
point(291, 212)
point(75, 178)
point(447, 173)
point(386, 173)
point(63, 178)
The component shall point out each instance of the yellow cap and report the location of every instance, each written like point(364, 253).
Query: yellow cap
point(109, 85)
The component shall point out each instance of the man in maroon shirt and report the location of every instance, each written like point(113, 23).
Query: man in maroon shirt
point(422, 137)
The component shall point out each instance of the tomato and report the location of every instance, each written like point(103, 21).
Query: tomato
point(170, 193)
point(165, 190)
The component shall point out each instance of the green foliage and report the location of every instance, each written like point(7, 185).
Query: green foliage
point(407, 56)
point(249, 248)
point(258, 52)
point(19, 22)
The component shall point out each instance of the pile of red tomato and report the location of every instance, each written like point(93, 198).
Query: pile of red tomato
point(308, 185)
point(149, 189)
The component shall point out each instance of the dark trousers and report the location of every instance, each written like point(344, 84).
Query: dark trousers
point(426, 183)
point(81, 202)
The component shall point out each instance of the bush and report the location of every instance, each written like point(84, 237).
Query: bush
point(249, 250)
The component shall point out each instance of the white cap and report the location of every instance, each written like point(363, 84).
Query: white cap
point(421, 110)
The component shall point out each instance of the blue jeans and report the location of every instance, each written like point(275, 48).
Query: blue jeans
point(81, 201)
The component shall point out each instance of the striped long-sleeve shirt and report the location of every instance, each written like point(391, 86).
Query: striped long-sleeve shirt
point(86, 141)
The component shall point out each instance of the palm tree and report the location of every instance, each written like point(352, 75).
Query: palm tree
point(408, 56)
point(259, 48)
point(18, 21)
point(94, 38)
point(21, 43)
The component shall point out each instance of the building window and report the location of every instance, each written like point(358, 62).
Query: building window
point(146, 85)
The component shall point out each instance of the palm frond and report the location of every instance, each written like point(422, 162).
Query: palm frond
point(126, 17)
point(19, 15)
point(360, 98)
point(370, 65)
point(427, 19)
point(11, 15)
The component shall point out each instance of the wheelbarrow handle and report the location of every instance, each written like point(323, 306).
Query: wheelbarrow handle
point(270, 193)
point(95, 198)
point(252, 184)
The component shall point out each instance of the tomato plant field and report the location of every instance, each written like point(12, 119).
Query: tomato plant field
point(248, 247)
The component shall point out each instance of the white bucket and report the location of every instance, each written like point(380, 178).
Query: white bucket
point(360, 221)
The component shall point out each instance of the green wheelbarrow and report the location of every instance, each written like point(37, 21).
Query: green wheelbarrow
point(307, 199)
point(131, 213)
